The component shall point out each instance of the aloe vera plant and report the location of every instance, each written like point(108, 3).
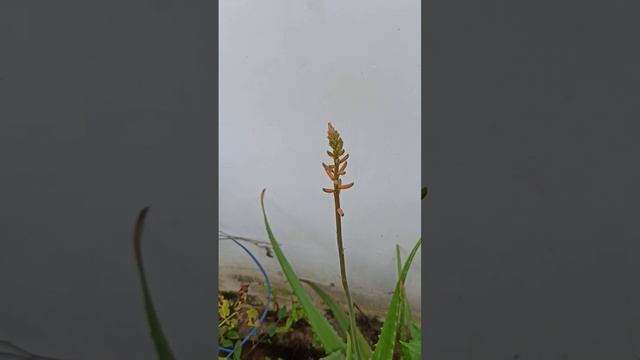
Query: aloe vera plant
point(398, 317)
point(398, 330)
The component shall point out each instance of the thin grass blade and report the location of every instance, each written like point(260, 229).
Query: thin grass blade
point(159, 340)
point(404, 333)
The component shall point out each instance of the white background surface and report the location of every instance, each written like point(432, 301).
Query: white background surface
point(286, 69)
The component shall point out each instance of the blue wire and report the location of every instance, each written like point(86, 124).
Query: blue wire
point(266, 308)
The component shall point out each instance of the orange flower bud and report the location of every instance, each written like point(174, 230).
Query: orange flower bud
point(344, 159)
point(329, 191)
point(331, 129)
point(340, 212)
point(329, 173)
point(346, 186)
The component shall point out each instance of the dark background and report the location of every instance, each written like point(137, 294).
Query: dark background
point(530, 128)
point(106, 107)
point(530, 113)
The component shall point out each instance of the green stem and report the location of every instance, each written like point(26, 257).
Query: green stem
point(343, 267)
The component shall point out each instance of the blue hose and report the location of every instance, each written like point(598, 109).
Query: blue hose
point(266, 307)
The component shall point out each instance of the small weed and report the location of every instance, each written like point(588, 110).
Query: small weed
point(235, 317)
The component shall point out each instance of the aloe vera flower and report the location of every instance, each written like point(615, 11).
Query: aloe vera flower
point(339, 166)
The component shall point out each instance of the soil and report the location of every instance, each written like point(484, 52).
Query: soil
point(297, 344)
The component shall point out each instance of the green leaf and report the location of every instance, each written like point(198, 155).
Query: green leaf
point(224, 310)
point(272, 331)
point(252, 317)
point(336, 355)
point(403, 312)
point(411, 350)
point(237, 350)
point(233, 335)
point(341, 317)
point(161, 344)
point(289, 322)
point(416, 332)
point(320, 325)
point(282, 313)
point(282, 329)
point(222, 330)
point(297, 313)
point(387, 340)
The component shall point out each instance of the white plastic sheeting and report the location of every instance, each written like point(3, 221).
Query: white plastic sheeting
point(286, 69)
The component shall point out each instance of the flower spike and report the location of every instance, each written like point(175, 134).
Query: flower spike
point(335, 171)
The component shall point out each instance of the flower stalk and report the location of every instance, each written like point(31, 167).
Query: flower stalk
point(334, 172)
